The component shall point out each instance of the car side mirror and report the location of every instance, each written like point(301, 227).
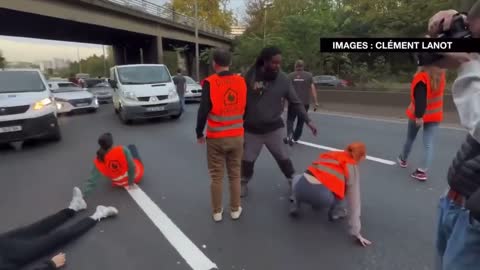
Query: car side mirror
point(113, 84)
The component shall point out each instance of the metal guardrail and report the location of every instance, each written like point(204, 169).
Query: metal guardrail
point(169, 14)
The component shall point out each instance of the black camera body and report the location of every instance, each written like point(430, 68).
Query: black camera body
point(458, 29)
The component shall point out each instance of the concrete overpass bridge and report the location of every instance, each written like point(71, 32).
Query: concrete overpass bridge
point(138, 30)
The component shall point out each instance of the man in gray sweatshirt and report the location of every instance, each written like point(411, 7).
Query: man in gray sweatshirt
point(267, 86)
point(458, 229)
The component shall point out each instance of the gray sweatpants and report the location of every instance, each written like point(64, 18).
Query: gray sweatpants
point(316, 195)
point(274, 143)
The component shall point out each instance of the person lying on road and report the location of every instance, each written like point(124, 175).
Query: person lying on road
point(330, 179)
point(121, 165)
point(25, 245)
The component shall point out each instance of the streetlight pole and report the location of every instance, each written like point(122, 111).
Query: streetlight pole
point(197, 53)
point(264, 24)
point(104, 62)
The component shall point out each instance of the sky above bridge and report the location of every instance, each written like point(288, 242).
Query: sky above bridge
point(32, 50)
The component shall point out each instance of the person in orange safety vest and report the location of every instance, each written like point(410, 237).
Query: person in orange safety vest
point(121, 165)
point(333, 182)
point(425, 109)
point(224, 97)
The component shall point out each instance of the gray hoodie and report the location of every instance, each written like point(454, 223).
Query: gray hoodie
point(264, 109)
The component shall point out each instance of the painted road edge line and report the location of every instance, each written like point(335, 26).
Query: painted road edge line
point(380, 119)
point(379, 160)
point(187, 249)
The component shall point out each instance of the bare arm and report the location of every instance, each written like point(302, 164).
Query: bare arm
point(314, 94)
point(354, 201)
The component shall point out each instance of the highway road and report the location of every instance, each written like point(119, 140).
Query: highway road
point(398, 213)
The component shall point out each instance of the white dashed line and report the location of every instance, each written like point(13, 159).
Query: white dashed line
point(379, 160)
point(185, 247)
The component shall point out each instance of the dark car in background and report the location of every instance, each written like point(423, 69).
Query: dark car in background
point(329, 81)
point(101, 89)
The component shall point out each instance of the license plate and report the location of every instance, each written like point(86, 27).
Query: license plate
point(155, 109)
point(10, 129)
point(82, 104)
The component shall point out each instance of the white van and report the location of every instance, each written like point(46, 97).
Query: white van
point(27, 108)
point(144, 91)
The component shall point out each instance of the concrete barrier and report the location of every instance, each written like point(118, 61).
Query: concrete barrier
point(374, 98)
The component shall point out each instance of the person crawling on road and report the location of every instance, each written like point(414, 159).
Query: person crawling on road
point(121, 165)
point(328, 181)
point(25, 245)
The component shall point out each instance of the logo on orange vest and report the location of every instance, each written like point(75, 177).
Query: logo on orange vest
point(231, 97)
point(114, 165)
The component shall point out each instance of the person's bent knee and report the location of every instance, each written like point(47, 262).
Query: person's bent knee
point(286, 166)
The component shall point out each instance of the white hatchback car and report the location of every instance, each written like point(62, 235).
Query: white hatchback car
point(71, 97)
point(194, 90)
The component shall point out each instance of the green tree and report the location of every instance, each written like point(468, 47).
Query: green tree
point(3, 62)
point(213, 12)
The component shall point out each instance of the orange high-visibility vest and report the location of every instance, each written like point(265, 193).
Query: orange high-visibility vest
point(434, 110)
point(115, 167)
point(229, 98)
point(331, 170)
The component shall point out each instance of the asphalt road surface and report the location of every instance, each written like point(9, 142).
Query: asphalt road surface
point(398, 213)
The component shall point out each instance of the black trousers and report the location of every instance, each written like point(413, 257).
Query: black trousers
point(292, 114)
point(25, 245)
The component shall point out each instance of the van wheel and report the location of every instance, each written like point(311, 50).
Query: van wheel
point(56, 136)
point(175, 117)
point(115, 109)
point(92, 110)
point(123, 117)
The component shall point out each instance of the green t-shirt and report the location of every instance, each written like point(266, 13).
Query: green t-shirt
point(95, 174)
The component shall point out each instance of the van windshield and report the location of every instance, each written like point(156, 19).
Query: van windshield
point(143, 75)
point(20, 81)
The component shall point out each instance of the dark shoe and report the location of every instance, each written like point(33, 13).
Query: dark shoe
point(294, 210)
point(419, 175)
point(401, 162)
point(332, 216)
point(243, 191)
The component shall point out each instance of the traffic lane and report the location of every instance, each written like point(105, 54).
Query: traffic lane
point(38, 181)
point(384, 139)
point(283, 243)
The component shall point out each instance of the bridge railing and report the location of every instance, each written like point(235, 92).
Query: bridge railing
point(169, 14)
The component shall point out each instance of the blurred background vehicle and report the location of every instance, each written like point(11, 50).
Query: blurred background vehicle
point(329, 81)
point(194, 90)
point(72, 98)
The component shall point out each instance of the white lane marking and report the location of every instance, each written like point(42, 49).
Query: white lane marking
point(187, 249)
point(387, 120)
point(379, 160)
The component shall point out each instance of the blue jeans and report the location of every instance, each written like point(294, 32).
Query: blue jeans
point(429, 130)
point(458, 238)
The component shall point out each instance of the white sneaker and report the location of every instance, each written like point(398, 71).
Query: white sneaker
point(77, 203)
point(217, 217)
point(104, 212)
point(236, 214)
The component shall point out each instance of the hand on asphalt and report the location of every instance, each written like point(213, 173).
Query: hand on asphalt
point(363, 241)
point(59, 260)
point(201, 140)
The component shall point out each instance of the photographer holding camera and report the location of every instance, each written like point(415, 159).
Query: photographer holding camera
point(458, 232)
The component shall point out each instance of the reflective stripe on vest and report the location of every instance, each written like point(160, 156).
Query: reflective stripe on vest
point(331, 170)
point(228, 95)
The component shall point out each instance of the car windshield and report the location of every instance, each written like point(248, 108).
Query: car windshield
point(20, 81)
point(143, 75)
point(101, 85)
point(190, 80)
point(326, 77)
point(93, 82)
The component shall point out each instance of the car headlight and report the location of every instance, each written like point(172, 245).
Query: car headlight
point(42, 104)
point(59, 106)
point(130, 95)
point(95, 101)
point(172, 93)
